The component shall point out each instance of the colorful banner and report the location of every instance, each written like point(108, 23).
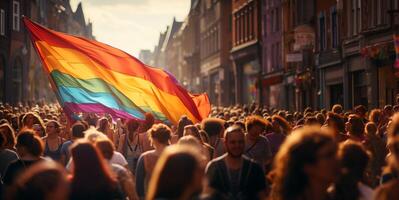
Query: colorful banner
point(89, 76)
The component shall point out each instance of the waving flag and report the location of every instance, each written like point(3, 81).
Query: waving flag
point(89, 76)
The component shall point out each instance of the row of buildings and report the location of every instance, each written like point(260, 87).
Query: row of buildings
point(286, 54)
point(22, 78)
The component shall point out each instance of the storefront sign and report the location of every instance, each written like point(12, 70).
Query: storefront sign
point(304, 37)
point(208, 66)
point(294, 57)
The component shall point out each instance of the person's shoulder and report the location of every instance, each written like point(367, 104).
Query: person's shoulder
point(66, 143)
point(117, 154)
point(15, 165)
point(118, 158)
point(250, 161)
point(148, 153)
point(143, 134)
point(117, 168)
point(365, 190)
point(217, 161)
point(9, 152)
point(387, 189)
point(263, 140)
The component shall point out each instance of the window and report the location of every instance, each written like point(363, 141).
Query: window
point(273, 57)
point(322, 32)
point(334, 28)
point(278, 19)
point(358, 16)
point(237, 31)
point(2, 22)
point(279, 58)
point(379, 9)
point(246, 23)
point(15, 16)
point(242, 26)
point(251, 22)
point(272, 20)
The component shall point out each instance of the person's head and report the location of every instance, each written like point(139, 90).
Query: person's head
point(91, 119)
point(355, 125)
point(39, 129)
point(159, 134)
point(370, 129)
point(190, 141)
point(165, 184)
point(353, 159)
point(255, 126)
point(307, 156)
point(280, 125)
point(9, 134)
point(183, 122)
point(31, 118)
point(53, 127)
point(396, 108)
point(28, 143)
point(311, 121)
point(103, 125)
point(393, 128)
point(148, 122)
point(337, 109)
point(214, 127)
point(44, 180)
point(388, 110)
point(132, 126)
point(78, 130)
point(234, 141)
point(192, 130)
point(393, 146)
point(106, 147)
point(335, 122)
point(204, 136)
point(320, 118)
point(90, 173)
point(375, 116)
point(92, 135)
point(360, 110)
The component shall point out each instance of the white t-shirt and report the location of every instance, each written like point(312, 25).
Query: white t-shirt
point(117, 158)
point(366, 193)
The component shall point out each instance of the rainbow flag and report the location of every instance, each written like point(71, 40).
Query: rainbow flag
point(89, 76)
point(396, 42)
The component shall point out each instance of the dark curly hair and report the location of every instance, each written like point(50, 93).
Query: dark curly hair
point(300, 148)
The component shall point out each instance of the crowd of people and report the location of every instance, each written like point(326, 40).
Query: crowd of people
point(238, 152)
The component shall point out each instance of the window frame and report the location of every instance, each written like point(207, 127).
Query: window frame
point(2, 22)
point(16, 11)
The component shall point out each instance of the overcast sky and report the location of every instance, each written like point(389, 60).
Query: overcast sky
point(131, 25)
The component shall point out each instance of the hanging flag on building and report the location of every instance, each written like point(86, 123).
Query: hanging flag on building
point(396, 41)
point(89, 76)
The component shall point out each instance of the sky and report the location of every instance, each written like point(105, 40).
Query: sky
point(131, 25)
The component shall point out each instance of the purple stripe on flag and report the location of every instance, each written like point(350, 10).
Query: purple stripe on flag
point(97, 108)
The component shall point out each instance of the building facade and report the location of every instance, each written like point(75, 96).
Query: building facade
point(246, 52)
point(22, 77)
point(190, 41)
point(329, 60)
point(215, 44)
point(272, 54)
point(145, 56)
